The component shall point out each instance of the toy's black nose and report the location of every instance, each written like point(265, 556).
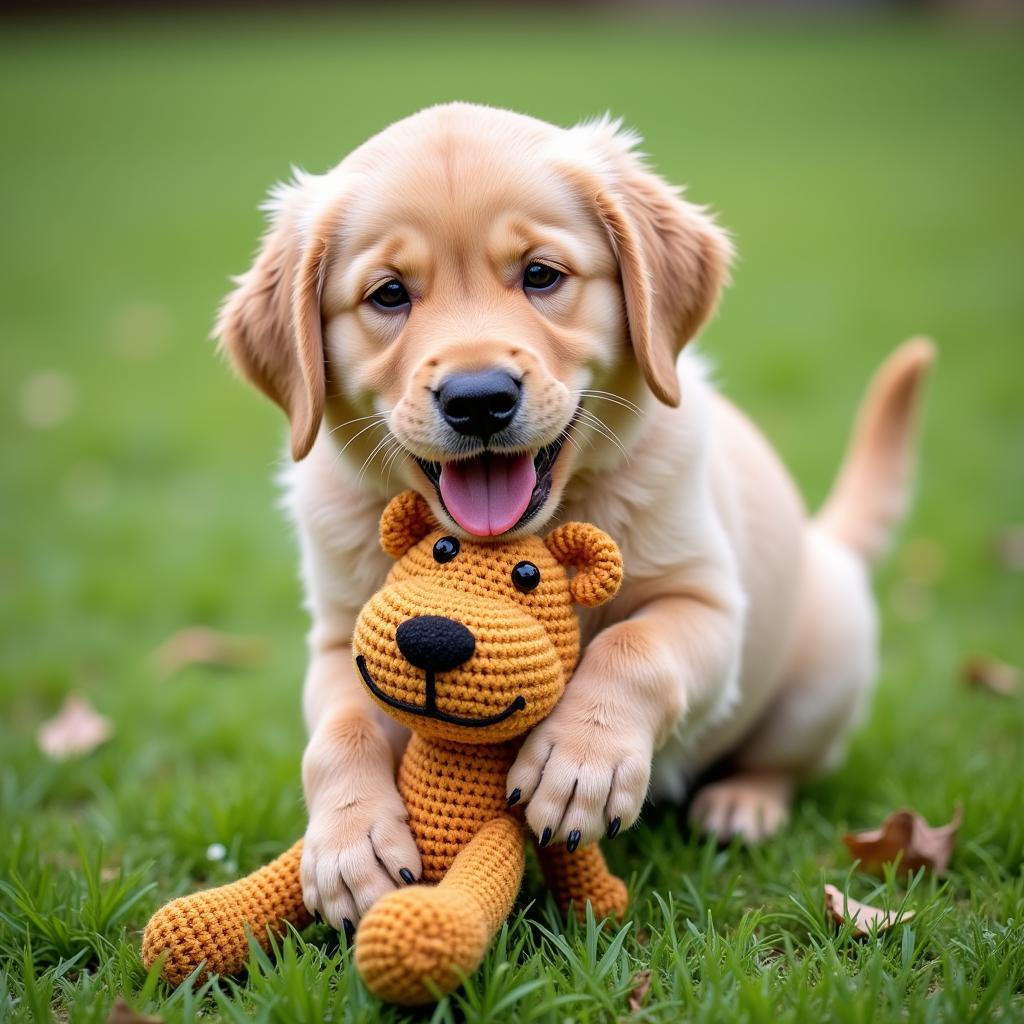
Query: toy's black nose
point(479, 404)
point(435, 643)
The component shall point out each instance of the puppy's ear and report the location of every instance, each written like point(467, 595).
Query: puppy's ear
point(406, 520)
point(594, 555)
point(270, 324)
point(673, 257)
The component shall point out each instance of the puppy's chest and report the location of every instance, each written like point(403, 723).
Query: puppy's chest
point(450, 791)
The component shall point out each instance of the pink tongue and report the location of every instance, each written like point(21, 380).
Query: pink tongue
point(488, 495)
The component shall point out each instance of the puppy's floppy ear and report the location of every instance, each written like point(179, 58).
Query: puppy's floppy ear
point(406, 520)
point(594, 555)
point(673, 257)
point(270, 324)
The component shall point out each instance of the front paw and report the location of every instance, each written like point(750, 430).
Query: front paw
point(580, 778)
point(354, 853)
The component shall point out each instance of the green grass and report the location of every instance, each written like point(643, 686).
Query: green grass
point(871, 174)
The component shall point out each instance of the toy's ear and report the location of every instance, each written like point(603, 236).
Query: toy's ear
point(407, 519)
point(594, 555)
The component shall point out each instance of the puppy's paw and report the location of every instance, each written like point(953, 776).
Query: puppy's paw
point(581, 779)
point(751, 807)
point(353, 854)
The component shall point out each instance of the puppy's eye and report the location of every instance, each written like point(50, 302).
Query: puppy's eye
point(446, 549)
point(526, 577)
point(390, 295)
point(540, 277)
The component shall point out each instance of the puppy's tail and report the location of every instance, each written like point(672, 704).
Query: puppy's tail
point(872, 491)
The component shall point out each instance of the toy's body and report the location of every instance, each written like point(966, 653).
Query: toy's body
point(469, 646)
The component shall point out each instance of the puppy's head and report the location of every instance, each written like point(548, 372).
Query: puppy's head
point(478, 302)
point(474, 640)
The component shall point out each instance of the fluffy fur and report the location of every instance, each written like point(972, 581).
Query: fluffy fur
point(745, 631)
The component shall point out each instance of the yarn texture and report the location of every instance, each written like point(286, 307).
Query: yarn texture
point(469, 650)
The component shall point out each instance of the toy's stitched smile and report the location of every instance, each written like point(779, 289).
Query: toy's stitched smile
point(430, 709)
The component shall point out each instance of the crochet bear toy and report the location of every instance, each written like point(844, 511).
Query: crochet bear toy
point(469, 644)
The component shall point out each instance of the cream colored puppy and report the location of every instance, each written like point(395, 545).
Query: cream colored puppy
point(492, 310)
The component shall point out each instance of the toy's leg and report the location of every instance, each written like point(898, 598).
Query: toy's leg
point(210, 927)
point(575, 878)
point(436, 934)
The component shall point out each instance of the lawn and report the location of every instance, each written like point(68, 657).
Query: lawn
point(871, 174)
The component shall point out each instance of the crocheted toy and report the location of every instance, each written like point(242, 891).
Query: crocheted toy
point(469, 644)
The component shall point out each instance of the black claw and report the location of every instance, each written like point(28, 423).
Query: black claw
point(407, 876)
point(515, 796)
point(573, 841)
point(350, 929)
point(545, 838)
point(613, 828)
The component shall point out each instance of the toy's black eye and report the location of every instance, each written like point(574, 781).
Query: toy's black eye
point(540, 276)
point(390, 295)
point(526, 576)
point(446, 549)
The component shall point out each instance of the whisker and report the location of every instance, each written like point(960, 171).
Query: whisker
point(607, 396)
point(597, 424)
point(572, 440)
point(358, 419)
point(379, 423)
point(405, 459)
point(389, 460)
point(388, 439)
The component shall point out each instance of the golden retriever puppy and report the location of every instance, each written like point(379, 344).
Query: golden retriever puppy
point(492, 309)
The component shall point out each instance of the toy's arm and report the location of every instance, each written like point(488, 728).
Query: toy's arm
point(211, 928)
point(422, 940)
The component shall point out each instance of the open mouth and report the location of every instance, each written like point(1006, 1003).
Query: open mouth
point(494, 492)
point(429, 708)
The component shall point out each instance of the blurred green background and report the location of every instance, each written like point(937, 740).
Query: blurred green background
point(871, 174)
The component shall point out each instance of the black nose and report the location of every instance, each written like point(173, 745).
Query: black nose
point(479, 404)
point(435, 643)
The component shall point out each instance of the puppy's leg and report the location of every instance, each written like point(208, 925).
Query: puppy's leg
point(358, 842)
point(586, 767)
point(828, 680)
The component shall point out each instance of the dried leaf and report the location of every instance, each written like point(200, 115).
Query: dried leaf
point(908, 836)
point(863, 917)
point(122, 1013)
point(47, 399)
point(1010, 547)
point(641, 983)
point(76, 730)
point(200, 645)
point(992, 675)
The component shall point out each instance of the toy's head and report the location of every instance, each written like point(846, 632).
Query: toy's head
point(474, 641)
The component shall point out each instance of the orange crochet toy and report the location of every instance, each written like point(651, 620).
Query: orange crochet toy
point(469, 644)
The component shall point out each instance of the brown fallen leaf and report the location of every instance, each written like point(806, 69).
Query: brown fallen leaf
point(990, 674)
point(905, 834)
point(641, 983)
point(864, 918)
point(122, 1013)
point(76, 730)
point(1010, 547)
point(200, 645)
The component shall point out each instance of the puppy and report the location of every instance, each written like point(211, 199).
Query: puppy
point(492, 310)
